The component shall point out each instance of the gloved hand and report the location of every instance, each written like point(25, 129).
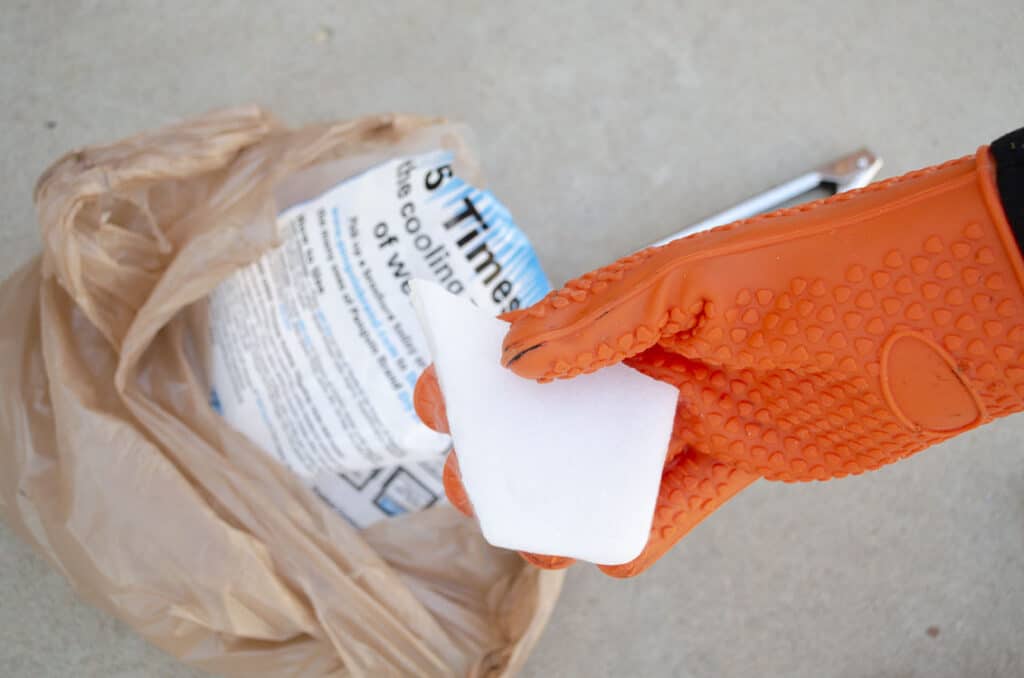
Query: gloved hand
point(811, 343)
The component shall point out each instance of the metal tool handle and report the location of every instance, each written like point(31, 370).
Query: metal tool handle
point(851, 171)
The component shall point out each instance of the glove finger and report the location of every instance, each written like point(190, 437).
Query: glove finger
point(453, 487)
point(512, 316)
point(429, 401)
point(604, 317)
point(547, 562)
point(692, 487)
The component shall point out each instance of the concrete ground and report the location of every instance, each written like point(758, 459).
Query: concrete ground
point(603, 126)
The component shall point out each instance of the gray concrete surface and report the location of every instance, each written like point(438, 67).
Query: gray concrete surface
point(603, 126)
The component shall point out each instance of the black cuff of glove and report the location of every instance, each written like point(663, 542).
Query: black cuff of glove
point(1008, 154)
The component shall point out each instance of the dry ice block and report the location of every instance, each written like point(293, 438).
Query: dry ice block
point(569, 468)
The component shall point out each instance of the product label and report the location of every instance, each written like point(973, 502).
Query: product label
point(316, 349)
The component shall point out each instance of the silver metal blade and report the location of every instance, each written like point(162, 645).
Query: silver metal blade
point(853, 170)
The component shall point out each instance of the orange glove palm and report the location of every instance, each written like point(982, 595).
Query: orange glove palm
point(808, 344)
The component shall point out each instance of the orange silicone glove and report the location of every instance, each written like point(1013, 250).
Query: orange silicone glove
point(807, 344)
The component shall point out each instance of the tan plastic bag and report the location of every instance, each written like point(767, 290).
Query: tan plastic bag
point(118, 472)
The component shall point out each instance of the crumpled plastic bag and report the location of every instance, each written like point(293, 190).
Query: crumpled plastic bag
point(117, 471)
